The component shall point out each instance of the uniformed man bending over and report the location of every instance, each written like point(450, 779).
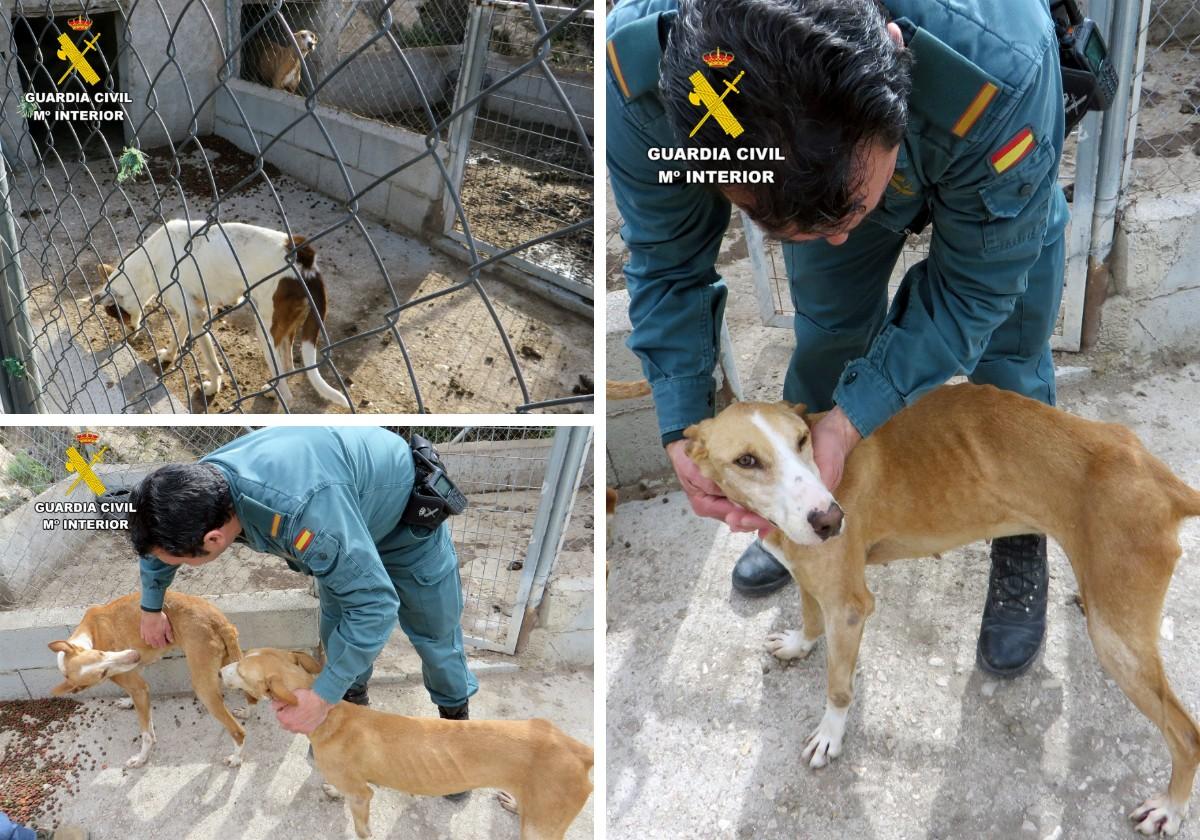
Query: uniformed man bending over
point(886, 119)
point(329, 502)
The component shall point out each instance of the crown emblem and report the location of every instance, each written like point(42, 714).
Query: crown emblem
point(718, 59)
point(80, 23)
point(87, 437)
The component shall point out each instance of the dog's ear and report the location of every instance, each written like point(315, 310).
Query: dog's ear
point(250, 698)
point(105, 271)
point(279, 691)
point(306, 662)
point(694, 434)
point(799, 408)
point(60, 646)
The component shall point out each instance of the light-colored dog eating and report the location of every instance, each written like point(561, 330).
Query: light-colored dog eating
point(107, 644)
point(544, 770)
point(966, 463)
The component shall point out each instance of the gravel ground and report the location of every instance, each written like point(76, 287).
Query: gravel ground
point(705, 729)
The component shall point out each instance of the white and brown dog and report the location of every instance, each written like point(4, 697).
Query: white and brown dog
point(107, 645)
point(543, 769)
point(966, 463)
point(197, 274)
point(279, 64)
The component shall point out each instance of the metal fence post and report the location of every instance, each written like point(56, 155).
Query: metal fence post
point(564, 469)
point(21, 380)
point(470, 82)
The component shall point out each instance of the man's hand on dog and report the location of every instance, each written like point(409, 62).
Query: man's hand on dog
point(706, 497)
point(156, 629)
point(306, 715)
point(833, 437)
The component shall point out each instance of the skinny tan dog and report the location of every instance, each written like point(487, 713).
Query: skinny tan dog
point(279, 64)
point(545, 770)
point(966, 463)
point(108, 644)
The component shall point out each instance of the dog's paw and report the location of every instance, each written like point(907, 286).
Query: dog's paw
point(234, 760)
point(210, 387)
point(507, 802)
point(825, 744)
point(165, 357)
point(789, 644)
point(137, 761)
point(125, 703)
point(330, 791)
point(241, 713)
point(1158, 815)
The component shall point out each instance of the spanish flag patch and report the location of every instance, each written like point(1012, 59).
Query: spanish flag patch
point(975, 110)
point(303, 540)
point(1014, 151)
point(275, 525)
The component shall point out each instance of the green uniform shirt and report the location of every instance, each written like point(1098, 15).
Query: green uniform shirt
point(980, 159)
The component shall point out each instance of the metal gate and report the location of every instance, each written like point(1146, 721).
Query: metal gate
point(349, 151)
point(521, 154)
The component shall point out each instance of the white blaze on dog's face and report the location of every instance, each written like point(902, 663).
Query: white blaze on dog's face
point(306, 39)
point(271, 673)
point(84, 667)
point(760, 454)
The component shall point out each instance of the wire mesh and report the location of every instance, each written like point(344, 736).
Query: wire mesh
point(1166, 150)
point(529, 170)
point(352, 160)
point(500, 469)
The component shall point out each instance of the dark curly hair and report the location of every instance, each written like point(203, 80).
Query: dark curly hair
point(823, 80)
point(176, 505)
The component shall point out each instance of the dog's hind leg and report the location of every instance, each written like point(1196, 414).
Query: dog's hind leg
point(1123, 617)
point(139, 692)
point(358, 796)
point(206, 682)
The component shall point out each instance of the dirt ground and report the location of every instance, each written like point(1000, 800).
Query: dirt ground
point(452, 343)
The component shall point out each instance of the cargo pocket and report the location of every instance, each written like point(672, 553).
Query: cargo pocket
point(321, 556)
point(1017, 203)
point(902, 209)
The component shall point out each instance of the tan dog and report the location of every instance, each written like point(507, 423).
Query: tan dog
point(279, 64)
point(965, 463)
point(545, 770)
point(107, 644)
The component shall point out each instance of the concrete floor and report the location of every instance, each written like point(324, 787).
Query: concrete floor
point(705, 729)
point(185, 791)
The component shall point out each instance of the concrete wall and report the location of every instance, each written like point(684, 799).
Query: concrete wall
point(1154, 304)
point(263, 619)
point(1174, 22)
point(485, 465)
point(411, 198)
point(529, 97)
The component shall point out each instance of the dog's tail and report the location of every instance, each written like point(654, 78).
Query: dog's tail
point(306, 257)
point(229, 636)
point(617, 390)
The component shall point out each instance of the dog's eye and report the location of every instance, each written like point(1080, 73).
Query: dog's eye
point(747, 461)
point(803, 440)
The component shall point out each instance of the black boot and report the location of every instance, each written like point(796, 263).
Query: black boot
point(757, 573)
point(455, 713)
point(357, 694)
point(1014, 617)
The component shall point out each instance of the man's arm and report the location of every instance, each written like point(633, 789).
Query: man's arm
point(343, 557)
point(988, 231)
point(676, 300)
point(156, 577)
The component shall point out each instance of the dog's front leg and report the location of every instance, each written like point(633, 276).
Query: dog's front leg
point(139, 692)
point(797, 644)
point(844, 619)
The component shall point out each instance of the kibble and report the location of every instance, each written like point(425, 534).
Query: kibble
point(32, 768)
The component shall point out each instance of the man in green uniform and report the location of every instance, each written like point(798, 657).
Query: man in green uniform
point(329, 502)
point(882, 120)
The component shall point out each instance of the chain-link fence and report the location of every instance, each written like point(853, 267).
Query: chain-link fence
point(1166, 110)
point(520, 483)
point(331, 120)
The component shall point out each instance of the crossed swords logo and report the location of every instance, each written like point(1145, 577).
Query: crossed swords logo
point(76, 464)
point(714, 105)
point(78, 63)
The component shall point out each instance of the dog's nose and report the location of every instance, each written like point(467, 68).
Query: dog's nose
point(827, 523)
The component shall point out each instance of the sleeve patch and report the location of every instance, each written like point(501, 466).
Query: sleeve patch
point(303, 540)
point(275, 525)
point(975, 109)
point(1014, 151)
point(616, 68)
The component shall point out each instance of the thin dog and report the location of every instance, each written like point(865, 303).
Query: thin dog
point(217, 268)
point(107, 644)
point(545, 770)
point(966, 463)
